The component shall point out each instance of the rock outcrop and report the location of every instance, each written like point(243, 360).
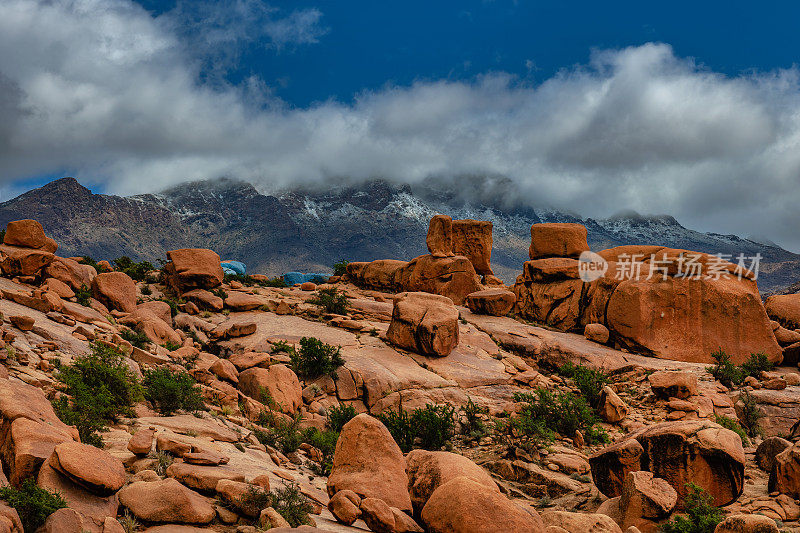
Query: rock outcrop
point(193, 268)
point(424, 323)
point(653, 306)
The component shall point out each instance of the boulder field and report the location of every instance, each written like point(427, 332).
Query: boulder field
point(435, 399)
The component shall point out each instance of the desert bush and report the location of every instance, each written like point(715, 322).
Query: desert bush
point(429, 427)
point(135, 337)
point(278, 432)
point(83, 296)
point(756, 364)
point(589, 381)
point(100, 387)
point(473, 426)
point(434, 425)
point(281, 346)
point(220, 293)
point(128, 522)
point(331, 300)
point(338, 416)
point(523, 431)
point(173, 304)
point(325, 442)
point(399, 425)
point(340, 267)
point(725, 371)
point(171, 346)
point(562, 412)
point(137, 271)
point(33, 503)
point(729, 423)
point(291, 504)
point(315, 358)
point(750, 416)
point(701, 514)
point(170, 391)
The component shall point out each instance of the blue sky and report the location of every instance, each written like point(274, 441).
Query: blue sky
point(368, 44)
point(685, 108)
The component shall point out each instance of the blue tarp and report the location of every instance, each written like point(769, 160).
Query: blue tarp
point(234, 267)
point(293, 278)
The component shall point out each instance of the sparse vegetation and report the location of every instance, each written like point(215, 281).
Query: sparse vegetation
point(589, 381)
point(732, 375)
point(331, 300)
point(281, 346)
point(701, 514)
point(219, 292)
point(316, 358)
point(338, 416)
point(278, 432)
point(562, 412)
point(291, 504)
point(137, 271)
point(170, 391)
point(473, 426)
point(340, 267)
point(136, 337)
point(128, 522)
point(729, 423)
point(163, 460)
point(99, 388)
point(83, 296)
point(750, 416)
point(171, 346)
point(429, 427)
point(33, 503)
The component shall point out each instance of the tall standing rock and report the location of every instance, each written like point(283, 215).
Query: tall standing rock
point(368, 461)
point(473, 240)
point(440, 236)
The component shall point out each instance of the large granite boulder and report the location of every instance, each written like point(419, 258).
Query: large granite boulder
point(700, 452)
point(424, 323)
point(193, 268)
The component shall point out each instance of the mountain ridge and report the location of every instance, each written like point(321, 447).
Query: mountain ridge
point(311, 229)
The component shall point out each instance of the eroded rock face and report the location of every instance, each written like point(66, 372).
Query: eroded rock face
point(464, 505)
point(473, 240)
point(115, 290)
point(700, 452)
point(424, 323)
point(166, 501)
point(90, 467)
point(440, 236)
point(454, 277)
point(704, 314)
point(193, 268)
point(785, 309)
point(557, 240)
point(28, 234)
point(368, 461)
point(278, 381)
point(747, 523)
point(496, 302)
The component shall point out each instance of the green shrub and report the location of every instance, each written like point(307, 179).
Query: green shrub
point(137, 271)
point(524, 431)
point(220, 293)
point(589, 381)
point(33, 503)
point(83, 296)
point(278, 432)
point(170, 391)
point(291, 504)
point(171, 346)
point(729, 423)
point(732, 375)
point(325, 442)
point(750, 415)
point(163, 461)
point(562, 412)
point(701, 514)
point(725, 371)
point(253, 501)
point(399, 425)
point(173, 304)
point(86, 260)
point(135, 337)
point(433, 426)
point(315, 358)
point(100, 387)
point(473, 426)
point(331, 300)
point(340, 267)
point(281, 346)
point(756, 364)
point(274, 282)
point(338, 416)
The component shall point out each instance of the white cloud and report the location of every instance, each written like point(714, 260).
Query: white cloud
point(105, 91)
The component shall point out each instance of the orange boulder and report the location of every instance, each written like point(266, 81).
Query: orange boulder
point(193, 268)
point(557, 240)
point(473, 240)
point(440, 236)
point(424, 323)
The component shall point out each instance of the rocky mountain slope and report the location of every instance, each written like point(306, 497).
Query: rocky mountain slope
point(310, 230)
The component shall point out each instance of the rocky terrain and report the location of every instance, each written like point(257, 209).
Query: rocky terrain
point(420, 395)
point(310, 229)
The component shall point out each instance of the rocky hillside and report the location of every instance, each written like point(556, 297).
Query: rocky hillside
point(188, 402)
point(310, 230)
